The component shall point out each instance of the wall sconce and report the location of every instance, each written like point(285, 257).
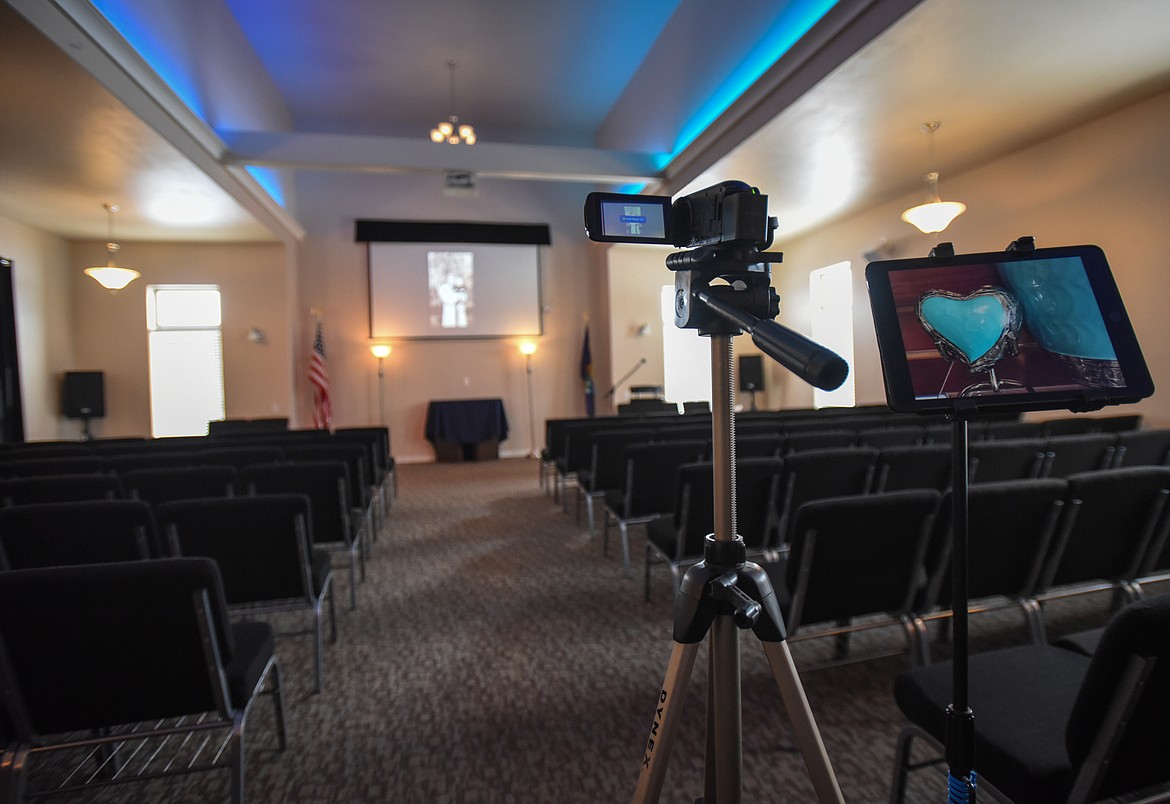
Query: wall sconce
point(381, 351)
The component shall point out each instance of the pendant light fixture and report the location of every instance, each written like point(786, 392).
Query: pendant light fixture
point(936, 214)
point(451, 131)
point(110, 276)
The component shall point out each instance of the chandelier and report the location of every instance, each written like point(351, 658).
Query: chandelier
point(451, 131)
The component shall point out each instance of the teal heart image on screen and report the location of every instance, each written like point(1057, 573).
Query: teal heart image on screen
point(977, 329)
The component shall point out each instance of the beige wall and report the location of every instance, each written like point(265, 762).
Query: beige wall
point(1106, 183)
point(333, 270)
point(110, 327)
point(44, 330)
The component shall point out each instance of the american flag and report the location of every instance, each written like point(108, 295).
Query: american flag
point(319, 379)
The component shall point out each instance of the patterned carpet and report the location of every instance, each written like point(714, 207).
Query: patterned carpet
point(496, 656)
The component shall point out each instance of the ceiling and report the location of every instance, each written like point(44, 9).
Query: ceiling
point(162, 107)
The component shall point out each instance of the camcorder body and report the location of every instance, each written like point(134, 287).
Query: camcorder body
point(732, 213)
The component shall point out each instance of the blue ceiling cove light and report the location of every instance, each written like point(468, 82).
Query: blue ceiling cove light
point(124, 16)
point(269, 179)
point(794, 22)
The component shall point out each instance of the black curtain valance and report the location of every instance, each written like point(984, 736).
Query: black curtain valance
point(451, 232)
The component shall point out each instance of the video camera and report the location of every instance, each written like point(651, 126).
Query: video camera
point(727, 227)
point(731, 212)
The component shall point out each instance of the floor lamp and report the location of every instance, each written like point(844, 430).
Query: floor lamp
point(381, 351)
point(528, 349)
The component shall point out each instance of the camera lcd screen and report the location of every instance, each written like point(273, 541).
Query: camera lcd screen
point(618, 218)
point(1012, 330)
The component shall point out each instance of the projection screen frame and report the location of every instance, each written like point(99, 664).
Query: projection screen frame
point(451, 236)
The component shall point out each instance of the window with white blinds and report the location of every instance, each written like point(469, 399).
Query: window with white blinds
point(186, 358)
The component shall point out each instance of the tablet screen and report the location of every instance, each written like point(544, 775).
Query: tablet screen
point(1013, 330)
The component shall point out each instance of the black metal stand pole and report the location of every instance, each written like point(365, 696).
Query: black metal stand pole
point(960, 748)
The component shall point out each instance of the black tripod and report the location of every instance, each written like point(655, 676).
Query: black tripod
point(724, 592)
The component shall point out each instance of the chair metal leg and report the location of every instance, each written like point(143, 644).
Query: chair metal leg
point(237, 760)
point(901, 766)
point(13, 763)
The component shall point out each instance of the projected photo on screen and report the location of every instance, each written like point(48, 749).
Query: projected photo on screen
point(454, 290)
point(1030, 330)
point(450, 277)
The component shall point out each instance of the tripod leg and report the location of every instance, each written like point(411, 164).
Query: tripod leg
point(667, 715)
point(816, 759)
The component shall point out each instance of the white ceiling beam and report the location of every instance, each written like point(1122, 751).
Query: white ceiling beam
point(400, 154)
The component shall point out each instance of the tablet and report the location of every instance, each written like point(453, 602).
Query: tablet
point(1020, 330)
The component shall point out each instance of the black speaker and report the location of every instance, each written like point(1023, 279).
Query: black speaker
point(83, 395)
point(751, 373)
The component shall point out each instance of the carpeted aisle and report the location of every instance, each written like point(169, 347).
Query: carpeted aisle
point(497, 656)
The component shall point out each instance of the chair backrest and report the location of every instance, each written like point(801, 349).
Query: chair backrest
point(83, 532)
point(803, 440)
point(925, 466)
point(651, 476)
point(1010, 527)
point(378, 440)
point(1143, 448)
point(1003, 430)
point(815, 474)
point(325, 483)
point(42, 467)
point(43, 449)
point(858, 555)
point(757, 484)
point(901, 435)
point(359, 465)
point(1139, 631)
point(152, 459)
point(758, 445)
point(607, 464)
point(240, 455)
point(260, 543)
point(58, 488)
point(1085, 452)
point(994, 460)
point(1111, 519)
point(166, 483)
point(129, 642)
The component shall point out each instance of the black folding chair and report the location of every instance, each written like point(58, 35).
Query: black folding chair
point(325, 483)
point(1010, 528)
point(261, 546)
point(143, 675)
point(855, 563)
point(1052, 724)
point(649, 488)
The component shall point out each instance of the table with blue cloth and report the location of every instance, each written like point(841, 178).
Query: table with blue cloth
point(466, 429)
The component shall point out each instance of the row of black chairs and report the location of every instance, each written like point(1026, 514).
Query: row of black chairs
point(338, 520)
point(647, 488)
point(567, 449)
point(863, 561)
